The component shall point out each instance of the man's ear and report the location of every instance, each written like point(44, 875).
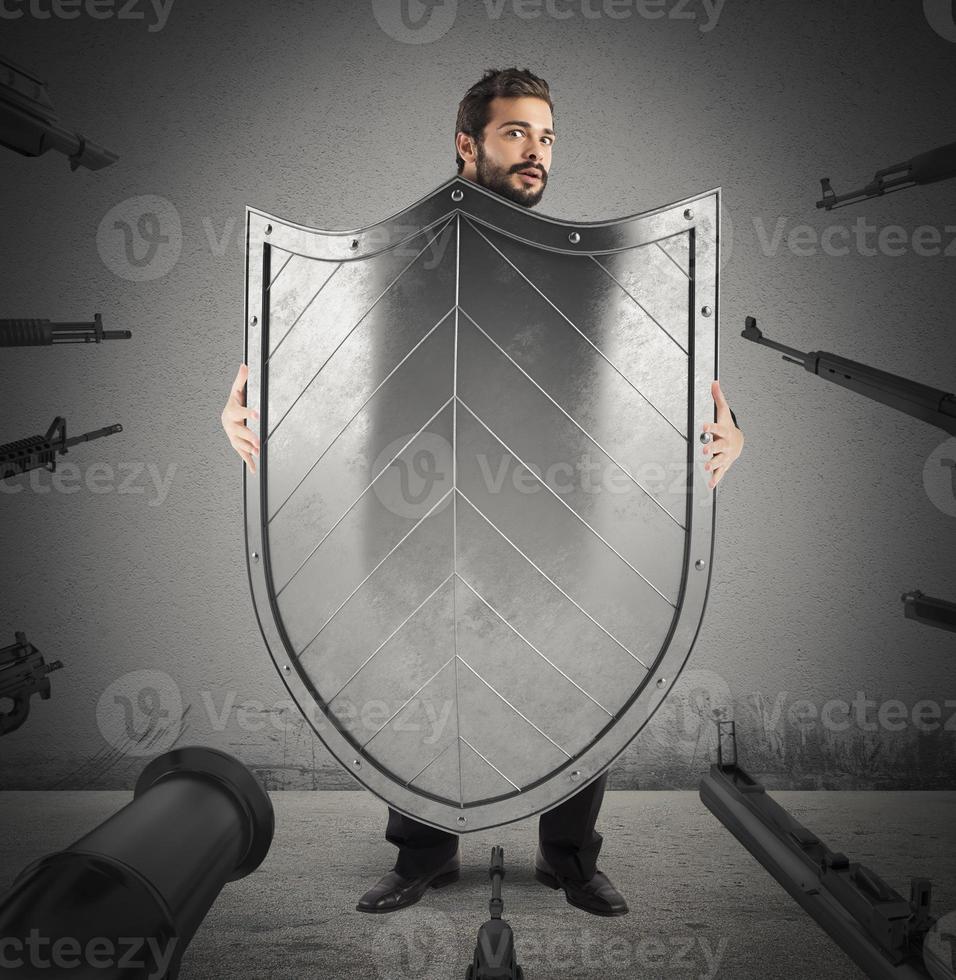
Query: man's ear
point(465, 145)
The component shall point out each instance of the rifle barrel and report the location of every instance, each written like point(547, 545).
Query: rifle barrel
point(39, 451)
point(107, 430)
point(752, 332)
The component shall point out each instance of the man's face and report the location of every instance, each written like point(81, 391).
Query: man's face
point(514, 157)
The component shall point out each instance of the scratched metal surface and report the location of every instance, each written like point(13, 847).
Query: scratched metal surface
point(481, 494)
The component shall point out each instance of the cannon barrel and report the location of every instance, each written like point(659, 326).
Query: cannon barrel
point(125, 900)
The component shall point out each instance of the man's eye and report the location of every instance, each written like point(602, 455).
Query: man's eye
point(549, 140)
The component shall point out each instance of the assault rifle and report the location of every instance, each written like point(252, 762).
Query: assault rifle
point(918, 400)
point(30, 126)
point(879, 929)
point(22, 674)
point(40, 333)
point(910, 397)
point(41, 451)
point(927, 168)
point(933, 612)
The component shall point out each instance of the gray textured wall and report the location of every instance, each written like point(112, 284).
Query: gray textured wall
point(131, 567)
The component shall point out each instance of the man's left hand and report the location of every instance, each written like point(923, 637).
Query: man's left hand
point(728, 440)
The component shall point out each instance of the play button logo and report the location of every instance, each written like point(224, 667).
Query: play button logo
point(415, 21)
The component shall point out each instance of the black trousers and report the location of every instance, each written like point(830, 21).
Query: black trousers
point(569, 842)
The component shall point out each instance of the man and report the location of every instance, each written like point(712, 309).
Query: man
point(504, 141)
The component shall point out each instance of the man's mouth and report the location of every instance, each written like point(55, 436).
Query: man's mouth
point(529, 175)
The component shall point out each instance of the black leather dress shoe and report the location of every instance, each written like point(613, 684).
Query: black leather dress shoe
point(596, 895)
point(394, 892)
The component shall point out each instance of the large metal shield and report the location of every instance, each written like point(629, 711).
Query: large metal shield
point(480, 535)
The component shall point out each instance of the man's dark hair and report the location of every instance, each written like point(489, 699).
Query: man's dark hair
point(505, 83)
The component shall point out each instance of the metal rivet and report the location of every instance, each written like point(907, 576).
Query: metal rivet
point(700, 564)
point(255, 556)
point(689, 213)
point(357, 763)
point(706, 437)
point(287, 668)
point(253, 320)
point(353, 244)
point(457, 194)
point(268, 229)
point(575, 776)
point(462, 821)
point(574, 238)
point(706, 310)
point(661, 681)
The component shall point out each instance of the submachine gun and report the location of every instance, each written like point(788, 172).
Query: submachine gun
point(23, 673)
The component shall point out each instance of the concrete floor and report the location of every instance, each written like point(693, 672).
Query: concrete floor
point(701, 907)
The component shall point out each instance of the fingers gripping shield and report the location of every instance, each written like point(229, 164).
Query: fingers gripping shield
point(480, 536)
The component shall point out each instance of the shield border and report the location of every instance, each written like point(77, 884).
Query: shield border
point(699, 214)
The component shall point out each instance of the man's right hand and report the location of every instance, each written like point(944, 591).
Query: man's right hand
point(243, 439)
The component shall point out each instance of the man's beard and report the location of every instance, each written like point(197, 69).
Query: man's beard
point(499, 180)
